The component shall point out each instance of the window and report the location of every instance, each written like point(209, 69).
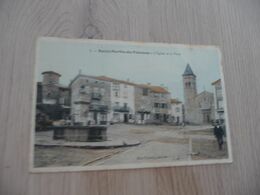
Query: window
point(145, 92)
point(188, 84)
point(177, 109)
point(116, 86)
point(156, 105)
point(164, 106)
point(82, 89)
point(125, 105)
point(103, 117)
point(116, 94)
point(220, 104)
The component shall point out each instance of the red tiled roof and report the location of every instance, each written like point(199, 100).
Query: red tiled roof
point(175, 101)
point(215, 82)
point(155, 89)
point(52, 72)
point(105, 78)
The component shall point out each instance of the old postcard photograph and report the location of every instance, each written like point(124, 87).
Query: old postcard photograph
point(102, 105)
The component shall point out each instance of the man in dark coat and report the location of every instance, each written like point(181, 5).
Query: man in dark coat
point(219, 133)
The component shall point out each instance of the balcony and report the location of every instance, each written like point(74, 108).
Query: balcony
point(121, 108)
point(96, 96)
point(82, 91)
point(98, 108)
point(82, 100)
point(220, 109)
point(160, 110)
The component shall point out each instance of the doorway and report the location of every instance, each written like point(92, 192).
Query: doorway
point(125, 118)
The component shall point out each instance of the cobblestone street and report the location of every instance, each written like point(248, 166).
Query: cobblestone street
point(160, 143)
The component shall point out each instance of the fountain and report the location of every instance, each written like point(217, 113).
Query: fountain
point(90, 133)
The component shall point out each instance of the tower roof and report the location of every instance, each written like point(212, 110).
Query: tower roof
point(188, 71)
point(51, 72)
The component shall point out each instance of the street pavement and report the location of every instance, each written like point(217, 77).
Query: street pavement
point(157, 143)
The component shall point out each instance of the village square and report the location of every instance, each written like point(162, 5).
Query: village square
point(99, 120)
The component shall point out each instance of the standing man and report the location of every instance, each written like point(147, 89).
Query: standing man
point(219, 133)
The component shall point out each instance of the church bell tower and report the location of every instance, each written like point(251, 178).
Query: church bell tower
point(189, 87)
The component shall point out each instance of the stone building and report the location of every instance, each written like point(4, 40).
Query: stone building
point(218, 100)
point(199, 108)
point(176, 112)
point(50, 88)
point(122, 100)
point(116, 99)
point(101, 99)
point(90, 100)
point(152, 104)
point(53, 99)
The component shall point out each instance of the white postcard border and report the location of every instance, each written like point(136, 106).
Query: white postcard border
point(36, 170)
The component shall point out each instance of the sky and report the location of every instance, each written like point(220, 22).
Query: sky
point(158, 64)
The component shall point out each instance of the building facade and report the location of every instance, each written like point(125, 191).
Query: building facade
point(176, 112)
point(53, 99)
point(102, 100)
point(122, 100)
point(90, 100)
point(218, 100)
point(152, 104)
point(199, 108)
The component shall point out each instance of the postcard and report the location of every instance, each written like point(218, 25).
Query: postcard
point(102, 105)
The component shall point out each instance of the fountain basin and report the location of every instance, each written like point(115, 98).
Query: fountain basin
point(91, 133)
